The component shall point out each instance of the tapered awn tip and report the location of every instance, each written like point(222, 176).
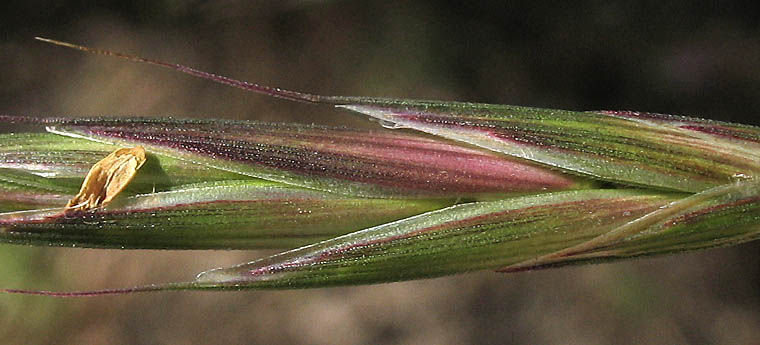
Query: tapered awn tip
point(103, 292)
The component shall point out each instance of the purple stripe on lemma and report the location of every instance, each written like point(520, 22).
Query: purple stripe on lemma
point(401, 161)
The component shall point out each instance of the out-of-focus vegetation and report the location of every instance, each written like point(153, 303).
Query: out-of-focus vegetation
point(684, 59)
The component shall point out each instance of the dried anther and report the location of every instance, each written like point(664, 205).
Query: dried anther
point(107, 178)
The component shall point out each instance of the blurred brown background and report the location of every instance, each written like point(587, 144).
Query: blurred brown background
point(696, 60)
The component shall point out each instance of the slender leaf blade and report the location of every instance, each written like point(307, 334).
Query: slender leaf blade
point(461, 238)
point(217, 215)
